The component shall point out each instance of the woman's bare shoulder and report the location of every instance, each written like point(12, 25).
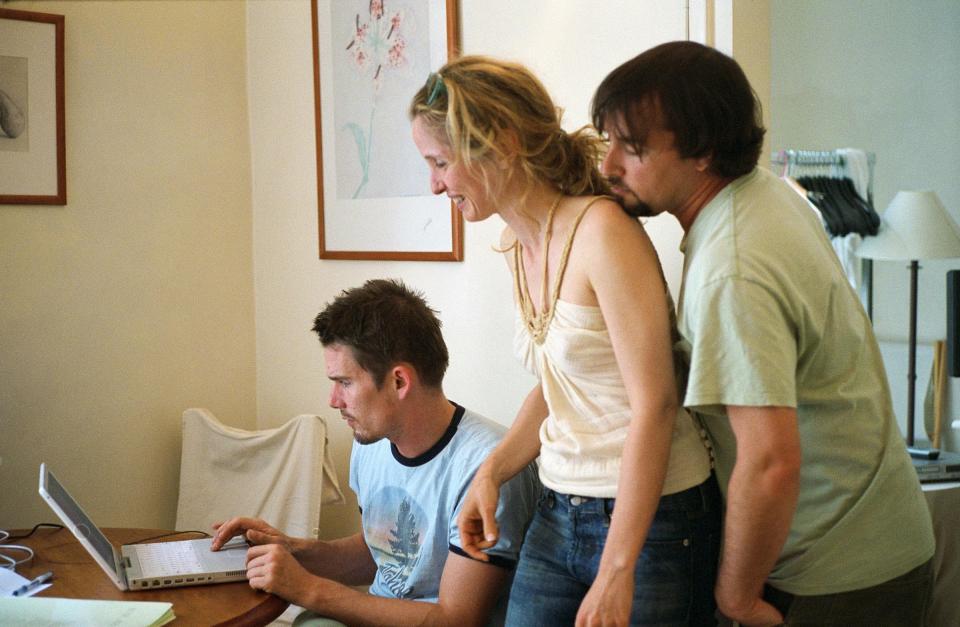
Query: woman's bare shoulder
point(606, 218)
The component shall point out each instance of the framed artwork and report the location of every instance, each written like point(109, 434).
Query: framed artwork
point(32, 153)
point(373, 188)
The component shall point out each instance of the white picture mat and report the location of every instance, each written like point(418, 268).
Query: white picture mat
point(398, 223)
point(33, 173)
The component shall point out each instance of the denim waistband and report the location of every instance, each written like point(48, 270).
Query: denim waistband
point(703, 497)
point(582, 504)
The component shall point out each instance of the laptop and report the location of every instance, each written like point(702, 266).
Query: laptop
point(144, 566)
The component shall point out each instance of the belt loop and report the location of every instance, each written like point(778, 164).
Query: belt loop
point(708, 494)
point(702, 491)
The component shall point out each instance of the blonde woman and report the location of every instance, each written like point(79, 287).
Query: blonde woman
point(627, 529)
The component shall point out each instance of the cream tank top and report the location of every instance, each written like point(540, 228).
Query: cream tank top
point(568, 347)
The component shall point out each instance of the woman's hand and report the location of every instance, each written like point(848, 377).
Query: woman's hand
point(478, 516)
point(608, 601)
point(477, 520)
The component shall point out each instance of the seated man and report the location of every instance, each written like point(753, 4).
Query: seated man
point(415, 454)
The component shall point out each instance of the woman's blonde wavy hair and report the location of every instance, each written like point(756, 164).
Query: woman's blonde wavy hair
point(488, 108)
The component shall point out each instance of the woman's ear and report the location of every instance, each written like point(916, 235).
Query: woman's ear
point(509, 143)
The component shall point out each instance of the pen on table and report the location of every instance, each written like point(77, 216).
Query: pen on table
point(33, 583)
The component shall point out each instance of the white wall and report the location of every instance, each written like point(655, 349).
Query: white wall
point(878, 75)
point(135, 300)
point(571, 45)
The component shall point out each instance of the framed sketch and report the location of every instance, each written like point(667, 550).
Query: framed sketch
point(32, 154)
point(373, 189)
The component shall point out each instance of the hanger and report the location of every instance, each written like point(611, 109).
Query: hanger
point(843, 209)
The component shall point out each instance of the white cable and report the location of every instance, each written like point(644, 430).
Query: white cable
point(12, 563)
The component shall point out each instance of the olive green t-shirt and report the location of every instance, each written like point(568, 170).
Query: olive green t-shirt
point(769, 319)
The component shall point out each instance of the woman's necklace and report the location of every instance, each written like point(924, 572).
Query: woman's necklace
point(536, 322)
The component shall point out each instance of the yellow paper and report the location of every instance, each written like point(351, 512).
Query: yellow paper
point(50, 612)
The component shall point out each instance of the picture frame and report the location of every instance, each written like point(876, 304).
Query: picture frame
point(373, 188)
point(32, 129)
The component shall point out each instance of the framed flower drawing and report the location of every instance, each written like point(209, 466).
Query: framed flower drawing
point(373, 191)
point(32, 153)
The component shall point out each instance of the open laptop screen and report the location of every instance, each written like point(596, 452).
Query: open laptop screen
point(82, 522)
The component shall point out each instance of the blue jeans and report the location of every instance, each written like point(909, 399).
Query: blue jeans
point(674, 575)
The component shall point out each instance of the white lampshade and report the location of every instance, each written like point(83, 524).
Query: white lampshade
point(915, 226)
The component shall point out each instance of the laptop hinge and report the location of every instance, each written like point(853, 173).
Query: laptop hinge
point(125, 564)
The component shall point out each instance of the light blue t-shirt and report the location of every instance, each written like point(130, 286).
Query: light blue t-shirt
point(409, 506)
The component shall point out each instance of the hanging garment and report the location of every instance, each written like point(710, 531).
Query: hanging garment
point(281, 475)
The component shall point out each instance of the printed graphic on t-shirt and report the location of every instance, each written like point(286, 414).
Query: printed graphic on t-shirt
point(395, 531)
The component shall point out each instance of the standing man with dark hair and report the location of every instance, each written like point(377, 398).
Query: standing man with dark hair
point(415, 455)
point(825, 520)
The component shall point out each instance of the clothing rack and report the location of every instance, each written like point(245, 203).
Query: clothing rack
point(830, 163)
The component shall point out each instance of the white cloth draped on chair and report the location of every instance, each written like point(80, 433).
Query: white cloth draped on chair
point(282, 475)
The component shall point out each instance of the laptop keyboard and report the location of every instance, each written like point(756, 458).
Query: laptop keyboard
point(163, 559)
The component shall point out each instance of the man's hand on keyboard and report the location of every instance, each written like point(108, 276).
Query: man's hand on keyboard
point(255, 530)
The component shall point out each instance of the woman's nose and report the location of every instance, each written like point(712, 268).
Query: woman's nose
point(436, 184)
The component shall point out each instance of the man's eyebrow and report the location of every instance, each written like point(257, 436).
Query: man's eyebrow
point(627, 138)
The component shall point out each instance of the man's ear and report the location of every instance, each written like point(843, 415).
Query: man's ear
point(703, 163)
point(402, 378)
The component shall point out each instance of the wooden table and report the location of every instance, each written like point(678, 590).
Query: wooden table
point(77, 576)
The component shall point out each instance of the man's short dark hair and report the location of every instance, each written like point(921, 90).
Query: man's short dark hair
point(385, 323)
point(699, 94)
